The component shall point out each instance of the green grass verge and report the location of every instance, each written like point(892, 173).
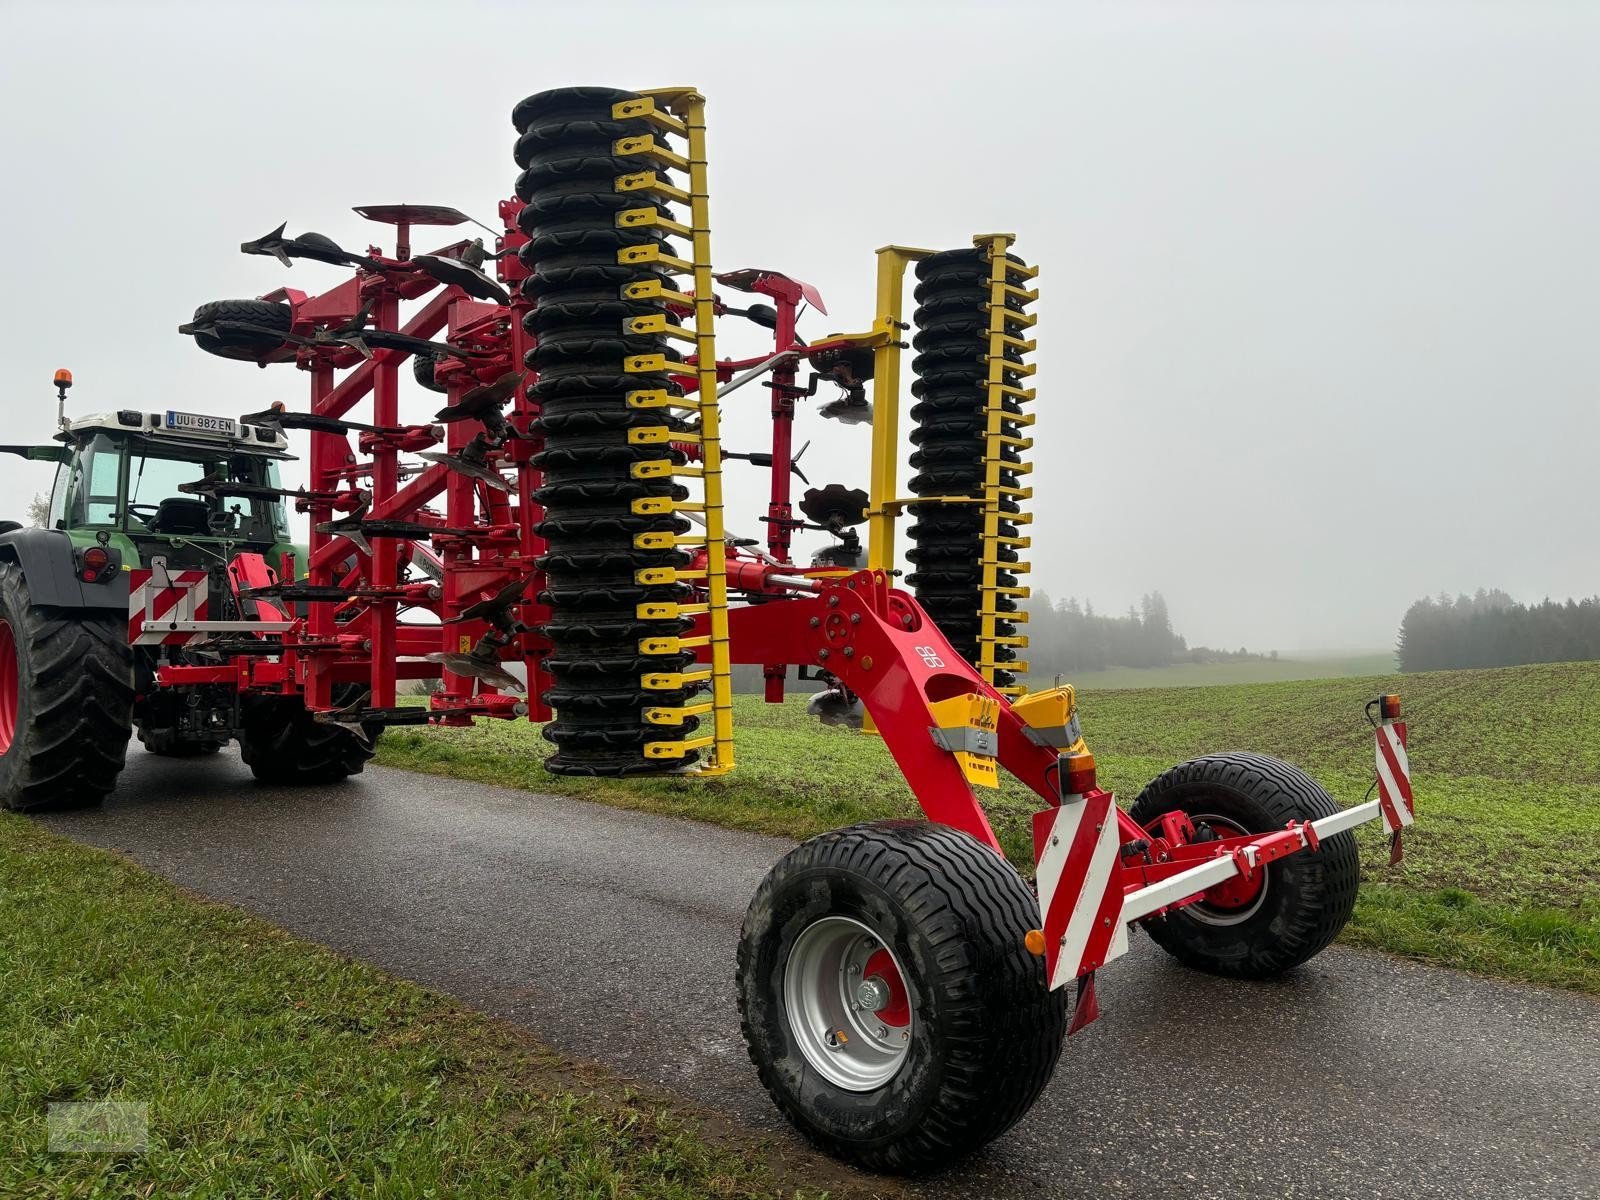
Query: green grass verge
point(272, 1067)
point(1502, 874)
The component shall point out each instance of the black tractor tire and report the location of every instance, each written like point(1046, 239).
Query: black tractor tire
point(1306, 898)
point(282, 742)
point(167, 743)
point(983, 1030)
point(66, 701)
point(248, 345)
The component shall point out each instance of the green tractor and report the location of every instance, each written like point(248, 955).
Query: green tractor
point(153, 514)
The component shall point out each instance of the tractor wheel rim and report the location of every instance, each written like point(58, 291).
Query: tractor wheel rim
point(1248, 904)
point(845, 996)
point(10, 677)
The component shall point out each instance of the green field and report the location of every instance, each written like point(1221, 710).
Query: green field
point(1249, 671)
point(274, 1068)
point(1502, 874)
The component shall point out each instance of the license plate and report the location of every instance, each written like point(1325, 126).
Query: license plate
point(202, 423)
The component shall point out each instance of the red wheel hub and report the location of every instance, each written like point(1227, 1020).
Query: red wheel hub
point(898, 1011)
point(9, 680)
point(1239, 892)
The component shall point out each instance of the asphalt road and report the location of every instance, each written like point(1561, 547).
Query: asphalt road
point(611, 935)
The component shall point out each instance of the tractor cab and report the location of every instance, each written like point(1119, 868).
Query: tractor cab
point(192, 488)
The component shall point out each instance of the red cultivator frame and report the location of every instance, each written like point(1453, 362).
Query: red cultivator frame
point(902, 988)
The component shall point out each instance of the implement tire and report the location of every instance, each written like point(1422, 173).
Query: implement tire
point(66, 701)
point(1302, 902)
point(283, 742)
point(956, 1032)
point(269, 318)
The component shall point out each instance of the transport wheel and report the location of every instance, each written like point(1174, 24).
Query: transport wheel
point(245, 344)
point(284, 743)
point(887, 999)
point(1252, 929)
point(66, 701)
point(422, 366)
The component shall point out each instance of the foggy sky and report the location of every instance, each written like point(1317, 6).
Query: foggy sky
point(1317, 323)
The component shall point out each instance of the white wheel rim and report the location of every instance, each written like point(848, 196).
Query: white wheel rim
point(829, 1001)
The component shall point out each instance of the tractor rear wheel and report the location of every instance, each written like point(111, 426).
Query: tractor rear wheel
point(887, 999)
point(1252, 929)
point(66, 701)
point(283, 742)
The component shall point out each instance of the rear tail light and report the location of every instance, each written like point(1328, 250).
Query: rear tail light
point(96, 563)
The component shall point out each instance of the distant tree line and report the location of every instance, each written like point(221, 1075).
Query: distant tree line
point(1065, 636)
point(1490, 629)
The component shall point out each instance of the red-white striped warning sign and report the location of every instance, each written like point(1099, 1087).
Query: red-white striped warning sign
point(1394, 777)
point(183, 596)
point(1080, 896)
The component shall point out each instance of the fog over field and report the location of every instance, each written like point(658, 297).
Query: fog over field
point(1318, 312)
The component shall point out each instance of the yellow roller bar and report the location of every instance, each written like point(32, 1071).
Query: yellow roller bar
point(660, 468)
point(654, 289)
point(633, 256)
point(659, 398)
point(657, 323)
point(667, 541)
point(676, 749)
point(651, 364)
point(667, 681)
point(1014, 368)
point(650, 218)
point(644, 109)
point(675, 715)
point(666, 610)
point(649, 183)
point(670, 645)
point(645, 145)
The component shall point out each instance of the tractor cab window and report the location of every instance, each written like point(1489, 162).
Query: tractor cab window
point(158, 503)
point(137, 485)
point(92, 495)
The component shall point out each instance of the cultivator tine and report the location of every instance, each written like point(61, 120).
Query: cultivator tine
point(272, 245)
point(348, 718)
point(314, 246)
point(473, 462)
point(280, 419)
point(469, 278)
point(486, 403)
point(350, 528)
point(496, 609)
point(483, 663)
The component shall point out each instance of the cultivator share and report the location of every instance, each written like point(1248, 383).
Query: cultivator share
point(550, 545)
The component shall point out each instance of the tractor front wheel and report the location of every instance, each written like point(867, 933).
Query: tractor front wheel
point(283, 742)
point(1253, 928)
point(66, 701)
point(887, 998)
